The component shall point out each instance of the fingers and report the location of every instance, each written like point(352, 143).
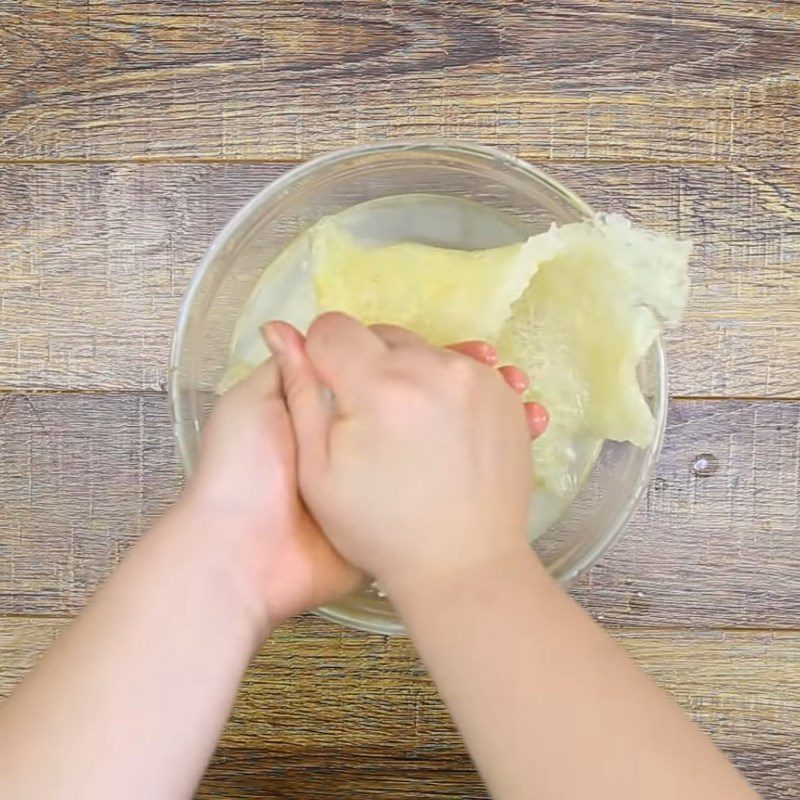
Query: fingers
point(516, 378)
point(342, 352)
point(482, 352)
point(339, 353)
point(537, 418)
point(478, 350)
point(535, 414)
point(303, 391)
point(486, 353)
point(395, 336)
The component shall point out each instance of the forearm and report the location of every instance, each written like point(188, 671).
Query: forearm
point(130, 701)
point(548, 704)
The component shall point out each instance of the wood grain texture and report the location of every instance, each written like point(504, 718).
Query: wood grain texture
point(716, 542)
point(94, 261)
point(583, 79)
point(325, 712)
point(682, 115)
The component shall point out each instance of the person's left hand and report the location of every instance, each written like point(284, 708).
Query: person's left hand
point(245, 489)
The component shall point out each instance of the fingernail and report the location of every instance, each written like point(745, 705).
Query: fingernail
point(537, 417)
point(515, 378)
point(274, 339)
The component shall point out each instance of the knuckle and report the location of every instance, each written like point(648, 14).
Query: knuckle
point(323, 329)
point(399, 391)
point(462, 373)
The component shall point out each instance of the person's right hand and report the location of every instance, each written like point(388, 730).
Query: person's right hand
point(421, 466)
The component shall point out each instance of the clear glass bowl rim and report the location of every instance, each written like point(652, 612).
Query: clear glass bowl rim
point(280, 186)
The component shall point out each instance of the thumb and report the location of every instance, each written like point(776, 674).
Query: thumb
point(304, 393)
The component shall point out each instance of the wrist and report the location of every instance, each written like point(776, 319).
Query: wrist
point(461, 579)
point(214, 546)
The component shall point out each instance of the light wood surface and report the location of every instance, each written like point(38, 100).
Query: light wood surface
point(97, 258)
point(586, 79)
point(130, 132)
point(341, 714)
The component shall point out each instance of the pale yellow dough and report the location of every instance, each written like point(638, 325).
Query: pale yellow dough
point(581, 328)
point(444, 295)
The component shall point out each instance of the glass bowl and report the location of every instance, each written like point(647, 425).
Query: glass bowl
point(228, 273)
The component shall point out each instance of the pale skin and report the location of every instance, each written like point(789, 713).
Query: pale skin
point(418, 473)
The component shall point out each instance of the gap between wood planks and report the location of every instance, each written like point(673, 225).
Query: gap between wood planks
point(16, 391)
point(611, 627)
point(188, 160)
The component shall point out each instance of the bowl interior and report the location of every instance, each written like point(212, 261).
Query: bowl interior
point(236, 260)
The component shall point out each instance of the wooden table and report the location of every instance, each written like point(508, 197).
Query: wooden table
point(131, 131)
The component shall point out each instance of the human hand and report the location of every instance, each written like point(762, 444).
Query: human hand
point(424, 466)
point(245, 491)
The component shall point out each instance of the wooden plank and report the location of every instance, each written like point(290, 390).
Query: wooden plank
point(329, 712)
point(716, 542)
point(94, 261)
point(616, 79)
